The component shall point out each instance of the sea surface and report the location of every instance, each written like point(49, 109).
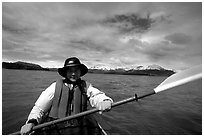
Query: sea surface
point(173, 112)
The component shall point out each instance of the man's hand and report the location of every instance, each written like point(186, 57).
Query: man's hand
point(26, 129)
point(104, 106)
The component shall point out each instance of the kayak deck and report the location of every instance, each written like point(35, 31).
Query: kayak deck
point(91, 127)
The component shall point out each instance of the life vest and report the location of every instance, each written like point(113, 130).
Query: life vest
point(68, 101)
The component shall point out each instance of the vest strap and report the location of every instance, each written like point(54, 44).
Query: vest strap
point(57, 98)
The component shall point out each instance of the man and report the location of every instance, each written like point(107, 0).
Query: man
point(66, 97)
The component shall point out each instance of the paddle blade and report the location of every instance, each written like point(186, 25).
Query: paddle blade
point(180, 78)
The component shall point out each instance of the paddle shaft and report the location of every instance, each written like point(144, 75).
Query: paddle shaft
point(86, 113)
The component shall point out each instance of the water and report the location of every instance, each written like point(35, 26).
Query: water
point(174, 112)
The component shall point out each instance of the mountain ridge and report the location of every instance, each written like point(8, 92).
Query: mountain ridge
point(151, 70)
point(139, 67)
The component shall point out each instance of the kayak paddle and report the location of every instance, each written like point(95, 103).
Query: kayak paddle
point(180, 78)
point(174, 80)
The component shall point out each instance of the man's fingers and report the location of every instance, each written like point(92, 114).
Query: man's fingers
point(31, 133)
point(104, 106)
point(26, 129)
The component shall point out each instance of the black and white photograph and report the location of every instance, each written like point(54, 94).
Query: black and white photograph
point(102, 68)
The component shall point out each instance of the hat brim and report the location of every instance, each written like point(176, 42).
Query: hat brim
point(83, 68)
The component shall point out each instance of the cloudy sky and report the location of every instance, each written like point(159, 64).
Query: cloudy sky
point(103, 34)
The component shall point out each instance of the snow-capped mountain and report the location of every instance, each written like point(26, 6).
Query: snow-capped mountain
point(150, 67)
point(154, 67)
point(151, 70)
point(102, 68)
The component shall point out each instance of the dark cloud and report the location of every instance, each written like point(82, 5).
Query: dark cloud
point(6, 45)
point(98, 60)
point(129, 22)
point(90, 45)
point(163, 19)
point(179, 38)
point(16, 30)
point(126, 60)
point(157, 54)
point(9, 42)
point(155, 51)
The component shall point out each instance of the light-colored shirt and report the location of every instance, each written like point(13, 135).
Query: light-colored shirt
point(44, 102)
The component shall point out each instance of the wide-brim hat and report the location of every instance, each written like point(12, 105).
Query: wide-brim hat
point(70, 62)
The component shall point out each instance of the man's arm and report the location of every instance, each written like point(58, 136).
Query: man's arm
point(43, 104)
point(98, 98)
point(41, 107)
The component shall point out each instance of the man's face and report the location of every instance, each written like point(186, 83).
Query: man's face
point(73, 73)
